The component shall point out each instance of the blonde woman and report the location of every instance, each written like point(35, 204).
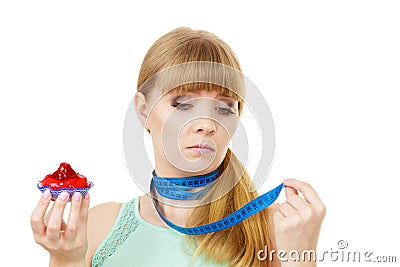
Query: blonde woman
point(139, 232)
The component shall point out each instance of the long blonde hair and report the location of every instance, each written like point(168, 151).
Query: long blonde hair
point(237, 245)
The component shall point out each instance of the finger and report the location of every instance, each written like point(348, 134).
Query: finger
point(290, 191)
point(294, 199)
point(73, 219)
point(273, 207)
point(287, 210)
point(297, 202)
point(306, 189)
point(83, 217)
point(55, 220)
point(48, 214)
point(277, 216)
point(37, 217)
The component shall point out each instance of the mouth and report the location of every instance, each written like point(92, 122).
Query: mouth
point(201, 148)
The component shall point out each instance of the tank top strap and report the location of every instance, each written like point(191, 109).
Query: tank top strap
point(124, 225)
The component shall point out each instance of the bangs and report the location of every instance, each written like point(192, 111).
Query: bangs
point(198, 76)
point(197, 87)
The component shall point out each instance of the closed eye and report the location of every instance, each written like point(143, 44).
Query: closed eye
point(225, 111)
point(181, 106)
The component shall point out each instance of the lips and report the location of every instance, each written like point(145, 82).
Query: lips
point(201, 148)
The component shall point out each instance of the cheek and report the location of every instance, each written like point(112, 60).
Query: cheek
point(157, 119)
point(165, 132)
point(223, 141)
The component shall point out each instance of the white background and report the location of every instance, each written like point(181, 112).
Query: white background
point(330, 73)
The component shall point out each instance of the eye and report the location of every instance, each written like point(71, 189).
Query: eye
point(225, 111)
point(181, 106)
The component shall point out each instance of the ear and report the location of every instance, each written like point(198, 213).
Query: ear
point(141, 109)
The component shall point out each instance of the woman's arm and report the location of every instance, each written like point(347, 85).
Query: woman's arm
point(296, 224)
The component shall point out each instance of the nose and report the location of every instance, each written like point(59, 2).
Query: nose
point(204, 126)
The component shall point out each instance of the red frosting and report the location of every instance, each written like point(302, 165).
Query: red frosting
point(65, 177)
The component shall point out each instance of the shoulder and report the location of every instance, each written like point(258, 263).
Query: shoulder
point(100, 222)
point(104, 211)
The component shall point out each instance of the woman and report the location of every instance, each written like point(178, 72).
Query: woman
point(172, 102)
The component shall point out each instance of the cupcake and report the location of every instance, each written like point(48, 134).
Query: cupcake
point(65, 179)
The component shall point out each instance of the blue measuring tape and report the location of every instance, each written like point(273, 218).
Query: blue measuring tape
point(177, 189)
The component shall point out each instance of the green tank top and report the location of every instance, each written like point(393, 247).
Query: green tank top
point(135, 242)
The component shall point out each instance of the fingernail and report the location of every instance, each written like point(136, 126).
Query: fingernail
point(46, 194)
point(87, 196)
point(63, 196)
point(77, 196)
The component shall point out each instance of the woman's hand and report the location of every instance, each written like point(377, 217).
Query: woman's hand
point(66, 242)
point(297, 222)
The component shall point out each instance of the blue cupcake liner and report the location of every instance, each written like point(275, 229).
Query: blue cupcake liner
point(56, 192)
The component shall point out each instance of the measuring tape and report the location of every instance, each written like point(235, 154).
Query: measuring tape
point(177, 189)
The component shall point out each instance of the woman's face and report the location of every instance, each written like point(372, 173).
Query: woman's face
point(191, 132)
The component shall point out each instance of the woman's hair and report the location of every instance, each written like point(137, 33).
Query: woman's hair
point(239, 244)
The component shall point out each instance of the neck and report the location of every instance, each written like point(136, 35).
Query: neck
point(167, 170)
